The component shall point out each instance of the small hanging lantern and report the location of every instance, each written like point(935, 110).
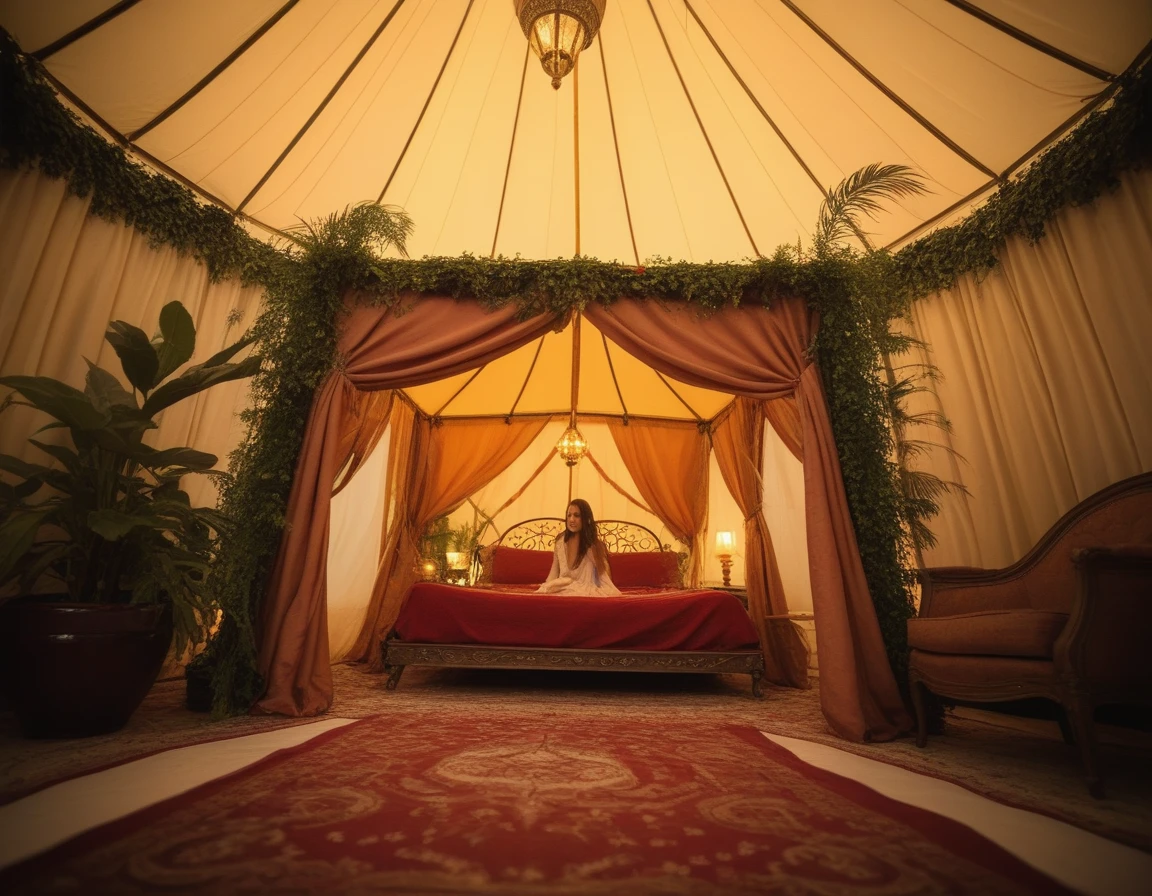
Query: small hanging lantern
point(557, 30)
point(572, 445)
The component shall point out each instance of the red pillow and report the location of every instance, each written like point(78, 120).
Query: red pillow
point(514, 566)
point(645, 569)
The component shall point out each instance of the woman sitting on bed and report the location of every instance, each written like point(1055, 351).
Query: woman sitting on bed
point(580, 560)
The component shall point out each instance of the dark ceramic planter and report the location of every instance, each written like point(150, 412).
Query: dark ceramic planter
point(77, 670)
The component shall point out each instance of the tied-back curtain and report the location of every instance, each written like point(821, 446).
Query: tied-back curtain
point(739, 446)
point(759, 353)
point(784, 416)
point(447, 463)
point(669, 464)
point(383, 348)
point(368, 414)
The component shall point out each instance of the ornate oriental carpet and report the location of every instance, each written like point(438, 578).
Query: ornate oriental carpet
point(475, 803)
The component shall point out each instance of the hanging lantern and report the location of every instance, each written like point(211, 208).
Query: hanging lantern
point(557, 30)
point(572, 445)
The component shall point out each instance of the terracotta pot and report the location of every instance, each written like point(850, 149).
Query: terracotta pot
point(77, 670)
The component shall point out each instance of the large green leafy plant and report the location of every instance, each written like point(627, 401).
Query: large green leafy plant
point(106, 518)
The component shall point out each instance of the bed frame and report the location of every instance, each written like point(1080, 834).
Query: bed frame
point(619, 536)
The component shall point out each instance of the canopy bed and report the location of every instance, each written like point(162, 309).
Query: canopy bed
point(657, 626)
point(757, 353)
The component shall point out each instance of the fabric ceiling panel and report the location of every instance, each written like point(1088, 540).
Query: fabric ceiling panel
point(731, 119)
point(818, 99)
point(1104, 33)
point(265, 98)
point(169, 48)
point(915, 50)
point(494, 390)
point(36, 25)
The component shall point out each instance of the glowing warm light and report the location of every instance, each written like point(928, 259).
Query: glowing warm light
point(572, 446)
point(725, 543)
point(557, 30)
point(457, 559)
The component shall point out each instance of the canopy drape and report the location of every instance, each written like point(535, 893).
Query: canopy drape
point(760, 353)
point(382, 348)
point(447, 463)
point(738, 442)
point(784, 416)
point(669, 464)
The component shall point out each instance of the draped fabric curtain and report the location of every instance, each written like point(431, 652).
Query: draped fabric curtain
point(418, 342)
point(669, 464)
point(405, 449)
point(1045, 377)
point(65, 273)
point(784, 416)
point(368, 415)
point(738, 442)
point(759, 353)
point(448, 462)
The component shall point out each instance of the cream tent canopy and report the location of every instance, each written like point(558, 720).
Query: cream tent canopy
point(694, 129)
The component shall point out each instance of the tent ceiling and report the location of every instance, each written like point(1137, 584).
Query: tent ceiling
point(532, 382)
point(706, 128)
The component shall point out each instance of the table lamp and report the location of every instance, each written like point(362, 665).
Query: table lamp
point(725, 544)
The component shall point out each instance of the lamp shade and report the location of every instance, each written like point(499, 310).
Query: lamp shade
point(557, 30)
point(725, 543)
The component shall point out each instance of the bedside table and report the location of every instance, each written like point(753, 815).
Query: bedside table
point(739, 590)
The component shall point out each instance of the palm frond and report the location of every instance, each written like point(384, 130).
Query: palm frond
point(862, 193)
point(366, 227)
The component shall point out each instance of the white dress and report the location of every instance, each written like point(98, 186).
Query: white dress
point(584, 579)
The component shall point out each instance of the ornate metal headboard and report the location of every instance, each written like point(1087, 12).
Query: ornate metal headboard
point(619, 536)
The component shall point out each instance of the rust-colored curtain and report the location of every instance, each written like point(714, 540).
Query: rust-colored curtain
point(367, 418)
point(784, 416)
point(447, 463)
point(738, 442)
point(419, 342)
point(669, 464)
point(759, 353)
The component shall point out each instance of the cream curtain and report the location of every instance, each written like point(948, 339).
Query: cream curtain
point(64, 274)
point(1047, 377)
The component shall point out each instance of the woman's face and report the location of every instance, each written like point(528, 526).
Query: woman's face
point(575, 520)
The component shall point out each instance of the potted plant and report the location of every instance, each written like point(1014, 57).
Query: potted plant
point(108, 525)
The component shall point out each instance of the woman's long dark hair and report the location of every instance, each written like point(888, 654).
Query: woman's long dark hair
point(588, 535)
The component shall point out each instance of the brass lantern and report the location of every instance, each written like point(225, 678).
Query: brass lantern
point(558, 30)
point(572, 445)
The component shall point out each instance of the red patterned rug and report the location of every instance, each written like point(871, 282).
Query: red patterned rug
point(414, 803)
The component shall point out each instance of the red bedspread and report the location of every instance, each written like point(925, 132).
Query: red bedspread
point(660, 620)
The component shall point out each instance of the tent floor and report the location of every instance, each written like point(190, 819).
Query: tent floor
point(1022, 762)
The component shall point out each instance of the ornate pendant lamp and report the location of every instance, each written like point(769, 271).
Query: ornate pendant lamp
point(572, 445)
point(558, 30)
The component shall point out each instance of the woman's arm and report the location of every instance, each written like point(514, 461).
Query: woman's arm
point(555, 572)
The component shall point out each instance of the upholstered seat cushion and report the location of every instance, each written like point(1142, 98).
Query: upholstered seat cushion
point(1022, 633)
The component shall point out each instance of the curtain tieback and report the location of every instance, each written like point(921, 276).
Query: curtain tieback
point(755, 513)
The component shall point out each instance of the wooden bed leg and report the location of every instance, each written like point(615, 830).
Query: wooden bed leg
point(756, 690)
point(394, 673)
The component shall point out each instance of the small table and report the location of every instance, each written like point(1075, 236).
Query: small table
point(739, 590)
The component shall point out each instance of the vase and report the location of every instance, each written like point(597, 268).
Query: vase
point(76, 669)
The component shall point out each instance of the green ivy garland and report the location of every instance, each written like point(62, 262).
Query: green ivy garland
point(856, 295)
point(38, 130)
